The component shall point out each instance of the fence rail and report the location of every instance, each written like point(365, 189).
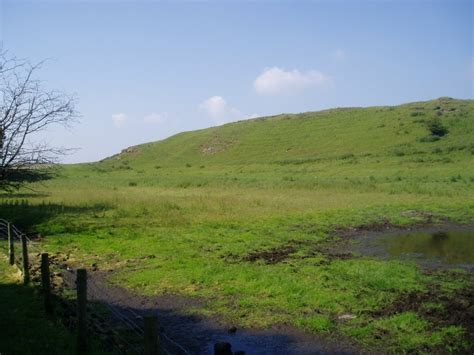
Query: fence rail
point(146, 335)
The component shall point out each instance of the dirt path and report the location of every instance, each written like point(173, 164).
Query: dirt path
point(187, 334)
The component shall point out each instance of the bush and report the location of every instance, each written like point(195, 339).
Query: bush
point(132, 183)
point(436, 128)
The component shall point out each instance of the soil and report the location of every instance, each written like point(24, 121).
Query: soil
point(437, 307)
point(384, 226)
point(284, 252)
point(182, 331)
point(271, 256)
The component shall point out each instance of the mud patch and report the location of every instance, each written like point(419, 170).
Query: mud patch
point(296, 249)
point(440, 308)
point(271, 256)
point(381, 226)
point(331, 253)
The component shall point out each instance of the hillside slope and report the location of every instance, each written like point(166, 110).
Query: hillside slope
point(330, 134)
point(388, 149)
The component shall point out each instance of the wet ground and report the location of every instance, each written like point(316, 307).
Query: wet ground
point(448, 246)
point(185, 333)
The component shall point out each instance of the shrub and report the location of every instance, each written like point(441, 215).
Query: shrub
point(132, 183)
point(436, 128)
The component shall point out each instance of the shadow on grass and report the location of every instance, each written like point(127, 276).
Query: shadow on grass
point(21, 195)
point(26, 216)
point(13, 180)
point(184, 332)
point(25, 328)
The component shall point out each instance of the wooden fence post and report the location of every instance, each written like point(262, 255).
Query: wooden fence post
point(81, 283)
point(46, 283)
point(26, 264)
point(152, 340)
point(11, 245)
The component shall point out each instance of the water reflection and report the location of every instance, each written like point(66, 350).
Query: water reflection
point(451, 247)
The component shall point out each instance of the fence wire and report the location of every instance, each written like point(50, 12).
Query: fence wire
point(98, 292)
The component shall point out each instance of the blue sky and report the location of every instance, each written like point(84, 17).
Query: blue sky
point(144, 70)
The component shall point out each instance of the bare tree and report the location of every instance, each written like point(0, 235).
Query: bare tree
point(27, 108)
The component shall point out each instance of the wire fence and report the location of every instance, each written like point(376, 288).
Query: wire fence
point(123, 327)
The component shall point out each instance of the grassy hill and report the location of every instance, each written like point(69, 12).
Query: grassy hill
point(316, 136)
point(386, 148)
point(205, 203)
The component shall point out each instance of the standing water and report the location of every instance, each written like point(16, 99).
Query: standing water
point(450, 247)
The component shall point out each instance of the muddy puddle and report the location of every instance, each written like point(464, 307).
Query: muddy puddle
point(452, 247)
point(261, 342)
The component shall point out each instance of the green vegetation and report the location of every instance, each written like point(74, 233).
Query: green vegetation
point(198, 213)
point(25, 327)
point(435, 126)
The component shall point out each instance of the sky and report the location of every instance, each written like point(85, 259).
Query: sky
point(145, 70)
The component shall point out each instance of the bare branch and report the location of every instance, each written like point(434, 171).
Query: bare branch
point(26, 108)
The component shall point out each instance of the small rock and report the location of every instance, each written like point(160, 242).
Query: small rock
point(347, 317)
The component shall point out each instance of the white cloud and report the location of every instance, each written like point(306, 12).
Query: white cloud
point(218, 109)
point(339, 55)
point(275, 81)
point(119, 119)
point(155, 118)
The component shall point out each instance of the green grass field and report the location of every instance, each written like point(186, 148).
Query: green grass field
point(182, 215)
